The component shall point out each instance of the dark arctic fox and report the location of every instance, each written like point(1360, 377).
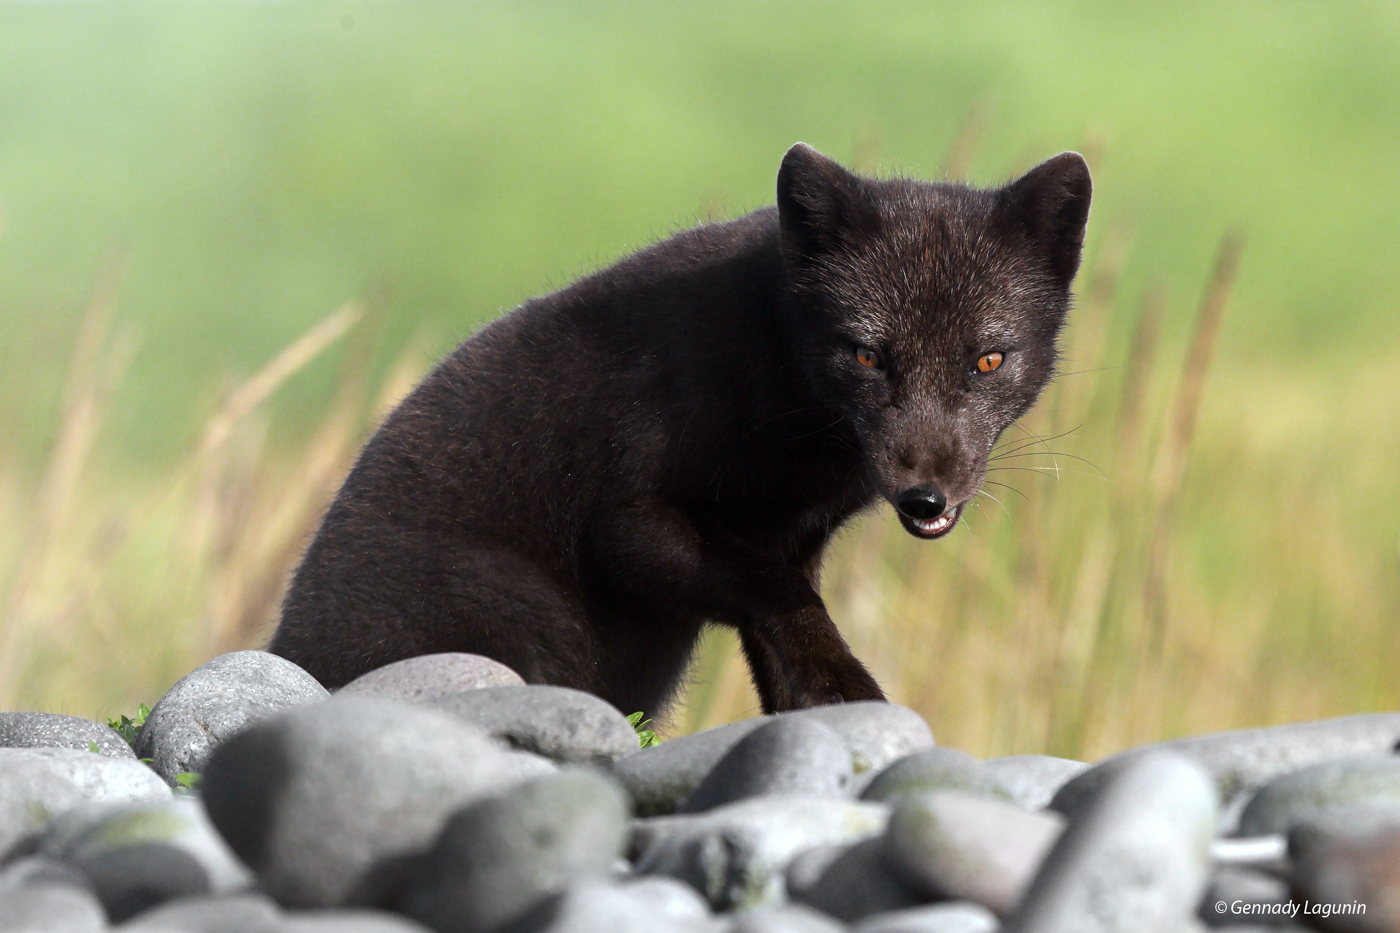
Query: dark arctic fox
point(577, 489)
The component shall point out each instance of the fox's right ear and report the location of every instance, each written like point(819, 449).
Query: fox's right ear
point(819, 203)
point(1050, 203)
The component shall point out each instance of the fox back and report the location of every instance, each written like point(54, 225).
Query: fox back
point(581, 486)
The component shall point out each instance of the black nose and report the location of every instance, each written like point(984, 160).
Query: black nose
point(922, 502)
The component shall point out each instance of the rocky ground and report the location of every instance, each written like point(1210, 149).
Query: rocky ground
point(441, 793)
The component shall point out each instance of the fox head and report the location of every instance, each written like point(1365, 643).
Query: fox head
point(928, 314)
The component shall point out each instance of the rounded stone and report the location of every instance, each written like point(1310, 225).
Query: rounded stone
point(1248, 895)
point(1033, 780)
point(131, 879)
point(349, 921)
point(313, 798)
point(642, 905)
point(53, 730)
point(1371, 781)
point(735, 855)
point(1246, 759)
point(875, 733)
point(932, 770)
point(789, 755)
point(97, 829)
point(500, 858)
point(848, 882)
point(1135, 858)
point(952, 845)
point(37, 784)
point(1362, 868)
point(956, 917)
point(216, 701)
point(240, 913)
point(788, 918)
point(427, 676)
point(38, 895)
point(557, 722)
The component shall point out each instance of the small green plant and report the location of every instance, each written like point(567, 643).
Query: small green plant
point(127, 727)
point(92, 747)
point(189, 783)
point(646, 736)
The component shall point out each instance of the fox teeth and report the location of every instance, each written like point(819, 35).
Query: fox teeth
point(935, 525)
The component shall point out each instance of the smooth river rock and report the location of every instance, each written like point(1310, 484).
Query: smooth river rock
point(790, 755)
point(569, 726)
point(735, 855)
point(216, 701)
point(500, 858)
point(1371, 782)
point(1133, 860)
point(876, 734)
point(952, 845)
point(52, 730)
point(427, 676)
point(313, 798)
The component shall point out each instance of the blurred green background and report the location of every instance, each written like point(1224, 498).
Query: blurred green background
point(188, 189)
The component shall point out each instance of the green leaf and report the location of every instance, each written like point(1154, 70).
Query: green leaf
point(645, 737)
point(127, 726)
point(92, 747)
point(188, 779)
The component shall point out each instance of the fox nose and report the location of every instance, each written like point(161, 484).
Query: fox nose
point(922, 503)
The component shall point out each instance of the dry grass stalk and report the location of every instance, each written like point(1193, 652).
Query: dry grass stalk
point(1172, 453)
point(94, 372)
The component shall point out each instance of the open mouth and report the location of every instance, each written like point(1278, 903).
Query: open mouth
point(929, 528)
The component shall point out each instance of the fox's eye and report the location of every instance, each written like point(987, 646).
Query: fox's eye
point(867, 357)
point(989, 361)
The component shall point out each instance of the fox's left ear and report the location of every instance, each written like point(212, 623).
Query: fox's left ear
point(1050, 204)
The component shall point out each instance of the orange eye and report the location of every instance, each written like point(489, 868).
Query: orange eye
point(867, 357)
point(989, 361)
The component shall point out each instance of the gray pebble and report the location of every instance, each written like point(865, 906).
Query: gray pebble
point(557, 722)
point(52, 730)
point(1032, 780)
point(876, 733)
point(1321, 828)
point(349, 921)
point(312, 798)
point(96, 829)
point(849, 882)
point(959, 846)
point(38, 895)
point(643, 905)
point(934, 769)
point(1358, 873)
point(788, 918)
point(241, 913)
point(30, 794)
point(1246, 759)
point(217, 700)
point(131, 879)
point(427, 676)
point(1134, 860)
point(1372, 781)
point(1247, 896)
point(955, 917)
point(39, 783)
point(789, 755)
point(735, 855)
point(499, 858)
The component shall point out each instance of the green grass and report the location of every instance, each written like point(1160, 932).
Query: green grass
point(222, 176)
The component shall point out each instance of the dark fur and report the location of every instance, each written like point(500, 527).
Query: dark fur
point(582, 485)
